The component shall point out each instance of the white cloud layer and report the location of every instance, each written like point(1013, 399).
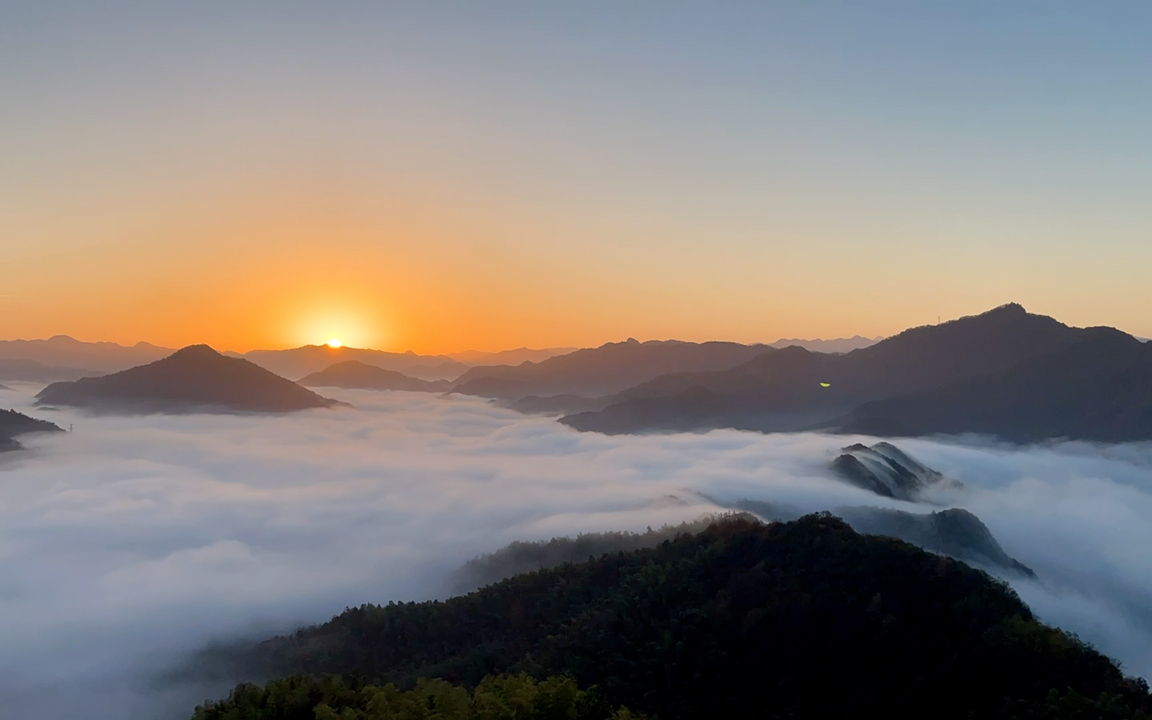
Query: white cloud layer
point(136, 540)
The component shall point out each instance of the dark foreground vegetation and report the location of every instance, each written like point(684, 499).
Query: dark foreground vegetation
point(501, 697)
point(13, 423)
point(806, 619)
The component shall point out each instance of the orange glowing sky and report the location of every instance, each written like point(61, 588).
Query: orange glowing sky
point(404, 178)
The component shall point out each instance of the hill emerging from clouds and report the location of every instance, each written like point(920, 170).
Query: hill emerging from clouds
point(13, 424)
point(194, 379)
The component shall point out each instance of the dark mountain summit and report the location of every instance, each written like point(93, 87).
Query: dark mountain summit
point(934, 366)
point(791, 620)
point(607, 369)
point(1099, 388)
point(355, 374)
point(13, 424)
point(195, 379)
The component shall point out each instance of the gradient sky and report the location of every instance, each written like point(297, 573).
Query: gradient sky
point(440, 176)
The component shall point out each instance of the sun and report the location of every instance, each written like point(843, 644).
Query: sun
point(335, 344)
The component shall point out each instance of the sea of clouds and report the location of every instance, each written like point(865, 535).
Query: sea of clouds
point(133, 542)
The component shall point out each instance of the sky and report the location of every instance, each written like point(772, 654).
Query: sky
point(440, 176)
point(135, 541)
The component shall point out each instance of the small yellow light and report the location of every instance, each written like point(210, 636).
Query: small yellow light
point(335, 344)
point(824, 384)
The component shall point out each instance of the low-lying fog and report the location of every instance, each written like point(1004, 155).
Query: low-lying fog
point(136, 540)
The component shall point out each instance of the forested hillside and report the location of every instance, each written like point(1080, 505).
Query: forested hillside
point(806, 619)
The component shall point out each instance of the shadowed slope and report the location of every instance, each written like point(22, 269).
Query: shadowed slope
point(196, 378)
point(13, 423)
point(794, 389)
point(355, 374)
point(1097, 389)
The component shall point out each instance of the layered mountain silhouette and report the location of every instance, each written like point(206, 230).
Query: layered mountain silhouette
point(1005, 372)
point(838, 345)
point(13, 424)
point(297, 362)
point(1099, 388)
point(23, 369)
point(603, 370)
point(509, 357)
point(355, 374)
point(194, 379)
point(75, 355)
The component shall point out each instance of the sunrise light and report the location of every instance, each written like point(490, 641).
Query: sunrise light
point(335, 344)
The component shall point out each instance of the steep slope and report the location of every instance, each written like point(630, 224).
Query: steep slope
point(1097, 389)
point(355, 374)
point(196, 378)
point(603, 370)
point(795, 389)
point(954, 532)
point(13, 424)
point(885, 470)
point(799, 620)
point(301, 361)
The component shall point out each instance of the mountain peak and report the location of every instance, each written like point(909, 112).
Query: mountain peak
point(196, 352)
point(1006, 310)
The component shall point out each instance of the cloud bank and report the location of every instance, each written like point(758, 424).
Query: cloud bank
point(135, 541)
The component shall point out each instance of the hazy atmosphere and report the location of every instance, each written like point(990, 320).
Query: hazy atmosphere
point(134, 541)
point(596, 361)
point(443, 177)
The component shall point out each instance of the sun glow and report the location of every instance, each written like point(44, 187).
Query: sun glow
point(335, 344)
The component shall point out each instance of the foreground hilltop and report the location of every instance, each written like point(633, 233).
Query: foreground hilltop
point(194, 379)
point(806, 619)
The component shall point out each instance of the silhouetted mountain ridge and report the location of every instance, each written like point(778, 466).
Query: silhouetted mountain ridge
point(944, 366)
point(13, 424)
point(355, 374)
point(603, 370)
point(194, 379)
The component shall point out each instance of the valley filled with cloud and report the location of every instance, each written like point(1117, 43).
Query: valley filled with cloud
point(133, 542)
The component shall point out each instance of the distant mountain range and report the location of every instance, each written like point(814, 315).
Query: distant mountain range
point(355, 374)
point(839, 345)
point(295, 363)
point(1006, 372)
point(509, 357)
point(70, 355)
point(195, 379)
point(603, 370)
point(22, 369)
